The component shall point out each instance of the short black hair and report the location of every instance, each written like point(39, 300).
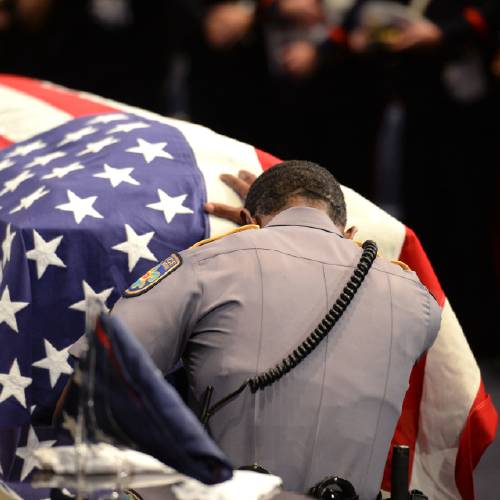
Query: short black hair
point(272, 190)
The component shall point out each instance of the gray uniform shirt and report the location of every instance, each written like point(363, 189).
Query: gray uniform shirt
point(239, 305)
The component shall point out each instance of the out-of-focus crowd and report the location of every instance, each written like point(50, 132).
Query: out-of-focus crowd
point(400, 100)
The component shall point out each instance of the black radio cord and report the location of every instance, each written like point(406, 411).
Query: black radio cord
point(260, 381)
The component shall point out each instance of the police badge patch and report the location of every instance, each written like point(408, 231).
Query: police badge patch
point(153, 276)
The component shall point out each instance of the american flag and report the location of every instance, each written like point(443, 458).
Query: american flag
point(93, 192)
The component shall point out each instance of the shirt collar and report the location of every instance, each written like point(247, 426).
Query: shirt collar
point(306, 217)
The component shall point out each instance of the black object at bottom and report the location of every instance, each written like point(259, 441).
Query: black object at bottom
point(334, 488)
point(399, 472)
point(399, 475)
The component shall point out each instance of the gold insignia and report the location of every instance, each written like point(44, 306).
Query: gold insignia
point(233, 231)
point(401, 264)
point(360, 245)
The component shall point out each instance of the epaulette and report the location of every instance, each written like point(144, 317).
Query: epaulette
point(402, 265)
point(360, 245)
point(233, 231)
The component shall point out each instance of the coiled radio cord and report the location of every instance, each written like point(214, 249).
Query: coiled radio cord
point(272, 375)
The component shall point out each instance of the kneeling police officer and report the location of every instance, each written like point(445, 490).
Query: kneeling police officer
point(240, 310)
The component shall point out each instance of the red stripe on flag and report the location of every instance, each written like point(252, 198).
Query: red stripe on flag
point(266, 160)
point(481, 424)
point(407, 428)
point(479, 432)
point(4, 142)
point(414, 255)
point(61, 99)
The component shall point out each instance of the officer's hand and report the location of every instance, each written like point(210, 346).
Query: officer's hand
point(240, 185)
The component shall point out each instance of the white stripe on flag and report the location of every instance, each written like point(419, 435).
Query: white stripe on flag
point(216, 155)
point(24, 116)
point(451, 383)
point(375, 224)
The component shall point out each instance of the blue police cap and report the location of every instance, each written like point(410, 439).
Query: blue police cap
point(134, 405)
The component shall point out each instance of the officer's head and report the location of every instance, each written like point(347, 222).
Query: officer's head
point(295, 183)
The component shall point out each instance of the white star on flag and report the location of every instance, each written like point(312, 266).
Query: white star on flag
point(107, 118)
point(77, 135)
point(170, 205)
point(81, 207)
point(12, 184)
point(127, 127)
point(136, 246)
point(150, 150)
point(45, 159)
point(117, 175)
point(9, 309)
point(26, 149)
point(27, 453)
point(7, 245)
point(7, 163)
point(89, 295)
point(14, 384)
point(44, 253)
point(56, 362)
point(27, 201)
point(96, 147)
point(61, 172)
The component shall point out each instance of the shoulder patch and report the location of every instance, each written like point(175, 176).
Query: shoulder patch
point(233, 231)
point(153, 276)
point(401, 264)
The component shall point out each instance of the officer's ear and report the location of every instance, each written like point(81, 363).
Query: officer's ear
point(246, 217)
point(350, 233)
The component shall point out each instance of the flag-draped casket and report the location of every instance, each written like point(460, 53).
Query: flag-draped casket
point(93, 192)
